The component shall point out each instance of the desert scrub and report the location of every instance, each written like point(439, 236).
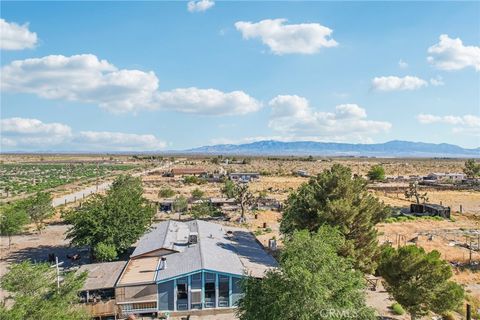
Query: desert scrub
point(397, 309)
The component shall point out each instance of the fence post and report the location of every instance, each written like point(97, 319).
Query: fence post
point(461, 209)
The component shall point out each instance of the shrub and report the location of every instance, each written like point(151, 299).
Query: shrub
point(105, 252)
point(166, 193)
point(397, 309)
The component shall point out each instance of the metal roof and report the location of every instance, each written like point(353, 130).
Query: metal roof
point(238, 254)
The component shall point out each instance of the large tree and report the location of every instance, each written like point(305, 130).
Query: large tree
point(13, 219)
point(419, 281)
point(312, 282)
point(39, 208)
point(111, 223)
point(337, 199)
point(35, 295)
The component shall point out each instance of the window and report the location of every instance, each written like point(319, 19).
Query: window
point(209, 290)
point(223, 291)
point(196, 291)
point(182, 291)
point(236, 290)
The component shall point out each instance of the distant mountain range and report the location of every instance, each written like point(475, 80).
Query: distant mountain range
point(304, 148)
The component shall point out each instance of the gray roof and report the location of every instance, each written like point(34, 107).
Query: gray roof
point(239, 254)
point(102, 275)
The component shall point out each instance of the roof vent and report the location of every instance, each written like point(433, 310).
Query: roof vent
point(193, 238)
point(163, 264)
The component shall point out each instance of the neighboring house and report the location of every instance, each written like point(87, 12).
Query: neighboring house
point(428, 209)
point(193, 267)
point(444, 177)
point(244, 176)
point(188, 172)
point(302, 173)
point(221, 202)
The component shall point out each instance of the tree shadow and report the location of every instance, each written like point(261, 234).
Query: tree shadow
point(45, 253)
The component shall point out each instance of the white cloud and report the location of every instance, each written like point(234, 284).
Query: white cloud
point(16, 37)
point(82, 78)
point(33, 132)
point(207, 101)
point(281, 38)
point(85, 78)
point(293, 116)
point(402, 64)
point(451, 54)
point(462, 124)
point(393, 83)
point(437, 81)
point(200, 5)
point(104, 140)
point(467, 120)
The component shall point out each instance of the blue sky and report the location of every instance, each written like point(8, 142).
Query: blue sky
point(107, 76)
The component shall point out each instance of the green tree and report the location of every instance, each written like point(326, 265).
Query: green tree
point(35, 294)
point(312, 282)
point(39, 208)
point(180, 204)
point(117, 219)
point(376, 173)
point(335, 198)
point(197, 193)
point(412, 192)
point(419, 281)
point(228, 189)
point(13, 219)
point(166, 193)
point(472, 169)
point(204, 210)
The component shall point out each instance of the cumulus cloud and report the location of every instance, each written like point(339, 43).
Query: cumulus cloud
point(200, 5)
point(207, 101)
point(118, 141)
point(462, 124)
point(16, 37)
point(82, 78)
point(393, 83)
point(85, 78)
point(33, 134)
point(451, 54)
point(282, 38)
point(293, 116)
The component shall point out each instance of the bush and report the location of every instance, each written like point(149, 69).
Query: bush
point(193, 180)
point(105, 252)
point(166, 193)
point(448, 316)
point(397, 309)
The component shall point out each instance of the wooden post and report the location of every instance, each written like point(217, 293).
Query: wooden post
point(461, 209)
point(469, 312)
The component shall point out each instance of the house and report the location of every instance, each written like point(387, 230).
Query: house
point(244, 176)
point(183, 268)
point(220, 202)
point(302, 173)
point(166, 205)
point(98, 292)
point(444, 177)
point(188, 172)
point(428, 209)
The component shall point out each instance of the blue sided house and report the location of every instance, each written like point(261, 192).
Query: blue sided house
point(189, 267)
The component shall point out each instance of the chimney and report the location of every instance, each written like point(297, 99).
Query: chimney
point(164, 263)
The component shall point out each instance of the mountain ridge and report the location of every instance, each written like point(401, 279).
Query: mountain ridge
point(301, 148)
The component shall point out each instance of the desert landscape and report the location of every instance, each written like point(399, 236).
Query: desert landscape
point(457, 238)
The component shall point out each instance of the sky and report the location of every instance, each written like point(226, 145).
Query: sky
point(148, 76)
